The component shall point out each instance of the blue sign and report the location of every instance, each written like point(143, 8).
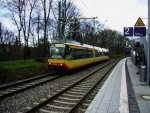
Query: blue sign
point(139, 31)
point(128, 31)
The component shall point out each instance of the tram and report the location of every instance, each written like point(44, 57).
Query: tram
point(70, 56)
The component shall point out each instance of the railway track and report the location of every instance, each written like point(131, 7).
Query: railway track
point(18, 87)
point(74, 97)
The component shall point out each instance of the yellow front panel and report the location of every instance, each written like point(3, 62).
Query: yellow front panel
point(56, 60)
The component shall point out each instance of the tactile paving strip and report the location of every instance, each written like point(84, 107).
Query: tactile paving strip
point(133, 106)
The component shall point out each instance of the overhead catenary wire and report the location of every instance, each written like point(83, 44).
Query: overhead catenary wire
point(86, 6)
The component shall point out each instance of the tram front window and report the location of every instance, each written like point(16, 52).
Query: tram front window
point(57, 51)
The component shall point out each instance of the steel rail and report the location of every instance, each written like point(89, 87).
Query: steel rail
point(50, 99)
point(27, 87)
point(79, 102)
point(24, 81)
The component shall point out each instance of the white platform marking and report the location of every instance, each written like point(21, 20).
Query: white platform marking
point(123, 107)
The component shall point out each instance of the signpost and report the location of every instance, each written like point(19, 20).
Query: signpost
point(139, 22)
point(128, 31)
point(139, 28)
point(140, 31)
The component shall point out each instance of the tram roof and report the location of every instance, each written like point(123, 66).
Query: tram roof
point(75, 44)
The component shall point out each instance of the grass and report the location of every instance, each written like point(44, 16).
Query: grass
point(16, 70)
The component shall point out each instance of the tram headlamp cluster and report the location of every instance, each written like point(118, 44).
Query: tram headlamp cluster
point(55, 64)
point(61, 64)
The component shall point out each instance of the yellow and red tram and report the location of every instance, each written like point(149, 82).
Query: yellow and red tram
point(70, 56)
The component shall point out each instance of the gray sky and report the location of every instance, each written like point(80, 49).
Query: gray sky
point(116, 14)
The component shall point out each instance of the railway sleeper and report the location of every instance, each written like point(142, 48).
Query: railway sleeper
point(17, 88)
point(36, 103)
point(83, 106)
point(48, 111)
point(93, 95)
point(3, 93)
point(94, 92)
point(78, 90)
point(61, 89)
point(81, 110)
point(62, 103)
point(87, 84)
point(11, 90)
point(74, 96)
point(82, 88)
point(88, 100)
point(32, 83)
point(59, 107)
point(69, 99)
point(43, 99)
point(86, 104)
point(90, 97)
point(66, 103)
point(54, 108)
point(21, 86)
point(76, 93)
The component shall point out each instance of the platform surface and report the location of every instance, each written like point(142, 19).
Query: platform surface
point(140, 88)
point(113, 96)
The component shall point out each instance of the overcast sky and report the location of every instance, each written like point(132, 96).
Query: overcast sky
point(116, 14)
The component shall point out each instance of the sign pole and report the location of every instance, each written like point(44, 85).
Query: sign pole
point(148, 58)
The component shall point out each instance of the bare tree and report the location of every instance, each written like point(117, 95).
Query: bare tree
point(6, 36)
point(46, 4)
point(21, 13)
point(64, 12)
point(74, 30)
point(39, 24)
point(26, 23)
point(15, 8)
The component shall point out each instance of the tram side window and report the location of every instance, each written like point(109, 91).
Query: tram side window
point(68, 53)
point(97, 54)
point(105, 53)
point(88, 54)
point(78, 53)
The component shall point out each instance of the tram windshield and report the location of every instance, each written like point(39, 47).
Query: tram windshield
point(57, 51)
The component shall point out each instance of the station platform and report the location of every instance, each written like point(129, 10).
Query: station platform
point(122, 92)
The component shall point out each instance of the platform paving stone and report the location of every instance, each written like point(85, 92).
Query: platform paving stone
point(108, 98)
point(140, 88)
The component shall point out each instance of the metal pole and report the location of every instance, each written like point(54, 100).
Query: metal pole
point(0, 33)
point(94, 31)
point(148, 58)
point(59, 20)
point(65, 20)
